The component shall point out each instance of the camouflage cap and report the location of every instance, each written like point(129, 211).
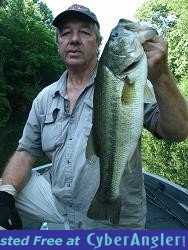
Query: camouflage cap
point(75, 8)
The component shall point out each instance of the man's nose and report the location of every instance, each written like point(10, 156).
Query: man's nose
point(75, 37)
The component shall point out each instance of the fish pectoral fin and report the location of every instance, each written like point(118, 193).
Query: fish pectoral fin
point(128, 92)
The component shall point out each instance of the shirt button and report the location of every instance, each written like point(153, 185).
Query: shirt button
point(79, 224)
point(68, 184)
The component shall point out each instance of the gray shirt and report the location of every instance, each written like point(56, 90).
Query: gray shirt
point(63, 136)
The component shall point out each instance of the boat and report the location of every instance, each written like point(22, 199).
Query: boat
point(167, 204)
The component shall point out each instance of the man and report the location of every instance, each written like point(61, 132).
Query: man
point(59, 124)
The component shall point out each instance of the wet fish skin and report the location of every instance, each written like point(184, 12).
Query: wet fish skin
point(118, 113)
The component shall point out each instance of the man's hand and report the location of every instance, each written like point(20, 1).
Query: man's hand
point(9, 217)
point(156, 51)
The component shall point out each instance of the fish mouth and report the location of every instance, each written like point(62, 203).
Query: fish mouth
point(131, 67)
point(135, 62)
point(122, 74)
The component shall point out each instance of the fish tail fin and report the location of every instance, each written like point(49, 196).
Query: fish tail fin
point(114, 209)
point(97, 209)
point(100, 210)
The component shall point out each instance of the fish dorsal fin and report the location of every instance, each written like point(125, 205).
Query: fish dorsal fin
point(90, 148)
point(149, 95)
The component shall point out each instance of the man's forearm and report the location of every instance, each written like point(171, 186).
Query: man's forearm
point(18, 170)
point(173, 116)
point(173, 119)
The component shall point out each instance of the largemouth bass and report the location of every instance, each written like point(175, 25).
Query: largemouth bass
point(118, 110)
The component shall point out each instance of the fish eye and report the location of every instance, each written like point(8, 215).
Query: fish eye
point(114, 34)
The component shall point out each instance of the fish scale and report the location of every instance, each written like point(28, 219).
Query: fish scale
point(118, 108)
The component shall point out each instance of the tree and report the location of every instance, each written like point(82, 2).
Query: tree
point(169, 160)
point(170, 18)
point(29, 59)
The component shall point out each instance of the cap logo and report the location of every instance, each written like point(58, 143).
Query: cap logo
point(76, 7)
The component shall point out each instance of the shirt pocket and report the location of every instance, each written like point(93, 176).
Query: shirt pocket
point(51, 131)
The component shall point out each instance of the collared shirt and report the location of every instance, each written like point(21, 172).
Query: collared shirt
point(63, 137)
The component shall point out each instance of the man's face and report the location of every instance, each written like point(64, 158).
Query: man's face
point(77, 42)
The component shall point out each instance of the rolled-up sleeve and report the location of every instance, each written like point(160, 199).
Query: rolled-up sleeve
point(151, 117)
point(31, 137)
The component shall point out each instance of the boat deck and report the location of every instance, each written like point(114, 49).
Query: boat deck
point(167, 204)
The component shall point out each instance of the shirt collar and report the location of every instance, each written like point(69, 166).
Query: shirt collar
point(60, 86)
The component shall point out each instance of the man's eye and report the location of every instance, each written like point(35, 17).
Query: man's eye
point(65, 33)
point(85, 32)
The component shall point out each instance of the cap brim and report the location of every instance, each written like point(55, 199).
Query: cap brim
point(59, 18)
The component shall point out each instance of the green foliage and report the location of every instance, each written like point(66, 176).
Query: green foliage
point(170, 18)
point(184, 87)
point(157, 14)
point(4, 103)
point(29, 59)
point(169, 160)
